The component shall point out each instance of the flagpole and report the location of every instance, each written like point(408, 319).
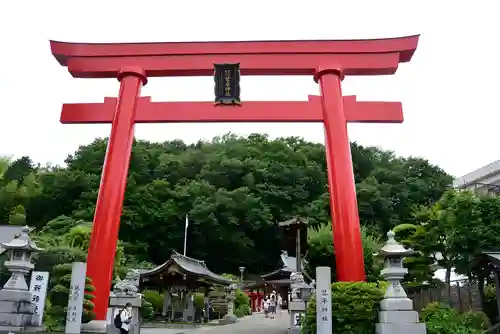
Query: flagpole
point(185, 234)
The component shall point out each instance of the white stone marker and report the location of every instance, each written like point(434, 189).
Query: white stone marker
point(38, 289)
point(323, 300)
point(76, 294)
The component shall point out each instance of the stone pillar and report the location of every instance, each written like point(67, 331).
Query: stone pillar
point(167, 299)
point(206, 303)
point(230, 318)
point(396, 314)
point(188, 310)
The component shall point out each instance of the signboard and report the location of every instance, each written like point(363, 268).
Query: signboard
point(76, 294)
point(323, 300)
point(38, 289)
point(227, 84)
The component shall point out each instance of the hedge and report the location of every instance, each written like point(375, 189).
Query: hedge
point(354, 308)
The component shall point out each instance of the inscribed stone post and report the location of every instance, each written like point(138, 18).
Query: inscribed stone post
point(76, 294)
point(38, 289)
point(323, 300)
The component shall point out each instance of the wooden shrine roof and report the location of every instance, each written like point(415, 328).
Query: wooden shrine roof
point(289, 265)
point(193, 269)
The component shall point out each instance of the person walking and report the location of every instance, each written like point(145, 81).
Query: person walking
point(124, 318)
point(279, 304)
point(266, 307)
point(272, 306)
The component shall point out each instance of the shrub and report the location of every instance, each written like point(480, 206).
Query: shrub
point(442, 319)
point(147, 311)
point(51, 318)
point(155, 299)
point(88, 306)
point(199, 301)
point(241, 299)
point(354, 308)
point(240, 312)
point(474, 319)
point(490, 303)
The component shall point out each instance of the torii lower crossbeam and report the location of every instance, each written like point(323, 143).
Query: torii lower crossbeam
point(251, 111)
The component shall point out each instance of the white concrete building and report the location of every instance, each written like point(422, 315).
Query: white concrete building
point(484, 179)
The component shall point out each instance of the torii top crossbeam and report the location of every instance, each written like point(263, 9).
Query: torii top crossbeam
point(355, 57)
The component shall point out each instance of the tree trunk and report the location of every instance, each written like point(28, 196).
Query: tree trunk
point(480, 283)
point(469, 295)
point(447, 279)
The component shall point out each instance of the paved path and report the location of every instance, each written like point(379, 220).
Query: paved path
point(254, 324)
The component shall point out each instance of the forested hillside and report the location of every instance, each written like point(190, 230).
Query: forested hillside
point(233, 189)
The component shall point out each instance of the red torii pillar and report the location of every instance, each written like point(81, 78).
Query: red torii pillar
point(132, 64)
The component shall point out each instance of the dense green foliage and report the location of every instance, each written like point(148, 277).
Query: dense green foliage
point(147, 311)
point(320, 251)
point(441, 319)
point(490, 303)
point(354, 308)
point(239, 187)
point(155, 298)
point(242, 304)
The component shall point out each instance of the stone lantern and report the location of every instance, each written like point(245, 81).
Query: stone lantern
point(301, 291)
point(230, 318)
point(396, 309)
point(16, 307)
point(19, 252)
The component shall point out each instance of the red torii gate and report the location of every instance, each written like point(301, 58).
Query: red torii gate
point(133, 63)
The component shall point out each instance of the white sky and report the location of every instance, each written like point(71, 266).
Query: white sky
point(449, 90)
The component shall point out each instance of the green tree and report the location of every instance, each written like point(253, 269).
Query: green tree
point(455, 229)
point(394, 186)
point(321, 251)
point(18, 186)
point(420, 265)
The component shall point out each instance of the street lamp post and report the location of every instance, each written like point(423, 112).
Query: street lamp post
point(242, 270)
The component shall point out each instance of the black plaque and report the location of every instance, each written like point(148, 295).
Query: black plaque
point(227, 84)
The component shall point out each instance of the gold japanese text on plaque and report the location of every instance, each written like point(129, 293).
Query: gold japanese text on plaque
point(227, 84)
